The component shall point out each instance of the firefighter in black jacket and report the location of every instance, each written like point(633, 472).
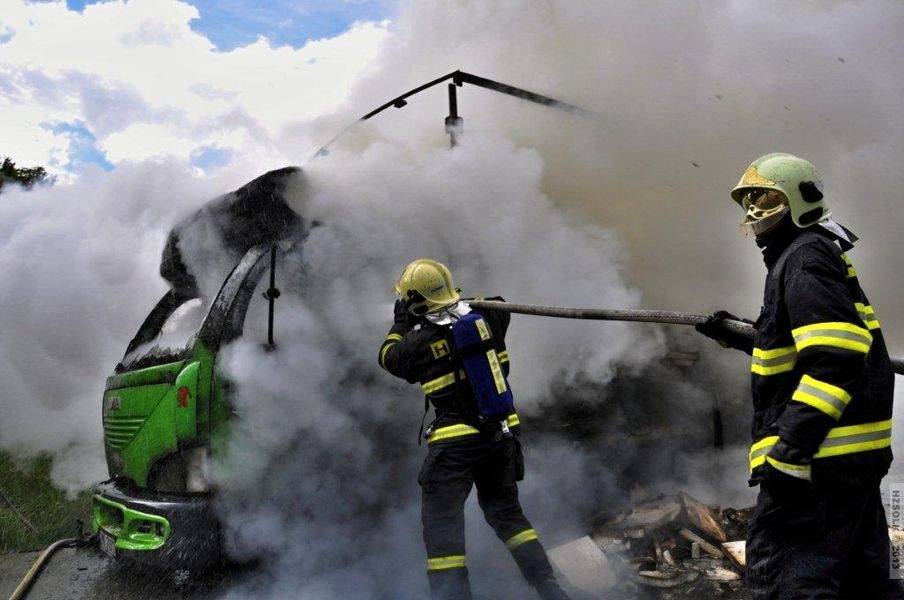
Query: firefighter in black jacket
point(822, 388)
point(463, 451)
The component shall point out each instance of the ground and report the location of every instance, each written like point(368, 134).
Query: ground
point(86, 574)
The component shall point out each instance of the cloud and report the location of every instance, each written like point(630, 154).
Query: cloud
point(118, 64)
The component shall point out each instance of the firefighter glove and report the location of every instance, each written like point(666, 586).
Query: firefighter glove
point(401, 316)
point(714, 328)
point(788, 464)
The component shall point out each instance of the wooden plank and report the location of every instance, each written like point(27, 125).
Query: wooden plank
point(736, 552)
point(704, 545)
point(701, 517)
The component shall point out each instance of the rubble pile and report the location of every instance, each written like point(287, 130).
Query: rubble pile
point(668, 547)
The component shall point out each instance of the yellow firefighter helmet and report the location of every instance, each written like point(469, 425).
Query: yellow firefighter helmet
point(426, 286)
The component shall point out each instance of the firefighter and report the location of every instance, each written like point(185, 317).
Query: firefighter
point(462, 450)
point(822, 386)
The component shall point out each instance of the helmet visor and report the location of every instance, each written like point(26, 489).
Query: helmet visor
point(764, 208)
point(763, 200)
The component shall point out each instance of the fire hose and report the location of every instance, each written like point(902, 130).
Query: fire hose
point(642, 315)
point(38, 565)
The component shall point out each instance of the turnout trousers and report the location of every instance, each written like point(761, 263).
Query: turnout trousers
point(446, 478)
point(808, 542)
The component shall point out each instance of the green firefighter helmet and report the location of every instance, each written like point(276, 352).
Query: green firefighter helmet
point(775, 184)
point(426, 286)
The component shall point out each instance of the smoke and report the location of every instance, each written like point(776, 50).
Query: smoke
point(77, 276)
point(627, 210)
point(327, 441)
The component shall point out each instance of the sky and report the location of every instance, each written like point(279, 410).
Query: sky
point(97, 84)
point(144, 110)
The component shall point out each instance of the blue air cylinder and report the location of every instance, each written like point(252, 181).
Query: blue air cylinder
point(474, 343)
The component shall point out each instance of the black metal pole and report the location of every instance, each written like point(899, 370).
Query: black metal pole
point(454, 123)
point(271, 295)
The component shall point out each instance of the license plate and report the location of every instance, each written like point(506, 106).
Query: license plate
point(107, 543)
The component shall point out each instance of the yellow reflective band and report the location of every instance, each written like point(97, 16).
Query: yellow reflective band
point(451, 432)
point(772, 362)
point(799, 471)
point(867, 315)
point(851, 271)
point(834, 334)
point(528, 535)
point(830, 399)
point(391, 339)
point(503, 356)
point(849, 439)
point(441, 563)
point(498, 377)
point(482, 329)
point(760, 449)
point(856, 438)
point(443, 381)
point(459, 430)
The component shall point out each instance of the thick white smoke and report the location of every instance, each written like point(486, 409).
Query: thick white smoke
point(326, 429)
point(78, 268)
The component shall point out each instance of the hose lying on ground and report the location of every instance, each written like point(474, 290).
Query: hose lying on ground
point(39, 563)
point(641, 315)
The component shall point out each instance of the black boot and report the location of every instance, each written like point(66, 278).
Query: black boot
point(549, 589)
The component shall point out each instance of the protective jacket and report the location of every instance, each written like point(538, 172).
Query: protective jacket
point(822, 380)
point(425, 354)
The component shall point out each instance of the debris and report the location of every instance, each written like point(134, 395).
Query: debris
point(649, 515)
point(722, 574)
point(734, 522)
point(704, 545)
point(701, 517)
point(667, 557)
point(655, 579)
point(735, 552)
point(583, 566)
point(658, 574)
point(678, 544)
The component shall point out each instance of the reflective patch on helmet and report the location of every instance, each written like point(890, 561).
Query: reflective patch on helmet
point(752, 177)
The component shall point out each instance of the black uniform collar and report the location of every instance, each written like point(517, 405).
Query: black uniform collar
point(774, 242)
